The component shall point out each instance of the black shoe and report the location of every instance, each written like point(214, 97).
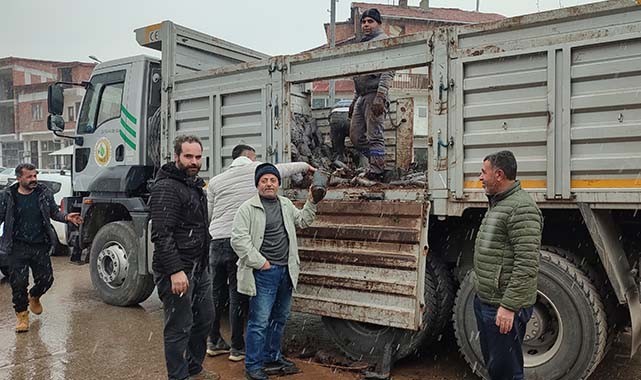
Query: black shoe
point(281, 366)
point(258, 374)
point(219, 348)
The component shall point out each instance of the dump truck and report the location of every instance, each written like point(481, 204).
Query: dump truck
point(387, 267)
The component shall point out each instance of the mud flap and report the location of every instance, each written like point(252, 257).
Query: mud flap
point(605, 236)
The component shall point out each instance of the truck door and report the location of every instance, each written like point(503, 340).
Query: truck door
point(106, 126)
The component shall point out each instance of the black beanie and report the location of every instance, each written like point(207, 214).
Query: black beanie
point(263, 169)
point(373, 13)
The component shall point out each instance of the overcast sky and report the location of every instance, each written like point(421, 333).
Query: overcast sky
point(74, 29)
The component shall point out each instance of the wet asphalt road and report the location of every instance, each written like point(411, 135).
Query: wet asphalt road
point(79, 337)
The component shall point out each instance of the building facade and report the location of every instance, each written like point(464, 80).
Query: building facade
point(23, 110)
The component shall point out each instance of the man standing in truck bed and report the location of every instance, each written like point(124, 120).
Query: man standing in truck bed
point(367, 111)
point(506, 266)
point(225, 194)
point(180, 262)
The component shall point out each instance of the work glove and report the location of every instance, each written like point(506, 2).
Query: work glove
point(351, 108)
point(378, 105)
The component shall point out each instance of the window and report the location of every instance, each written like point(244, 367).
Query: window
point(110, 100)
point(52, 185)
point(422, 112)
point(65, 74)
point(36, 111)
point(71, 113)
point(102, 101)
point(319, 103)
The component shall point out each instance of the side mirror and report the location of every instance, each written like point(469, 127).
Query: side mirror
point(55, 123)
point(55, 99)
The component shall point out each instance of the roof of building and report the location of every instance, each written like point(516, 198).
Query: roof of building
point(10, 60)
point(436, 14)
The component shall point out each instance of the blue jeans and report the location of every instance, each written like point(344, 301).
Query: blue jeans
point(268, 313)
point(502, 353)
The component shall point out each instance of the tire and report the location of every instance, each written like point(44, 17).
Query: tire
point(114, 266)
point(365, 341)
point(574, 341)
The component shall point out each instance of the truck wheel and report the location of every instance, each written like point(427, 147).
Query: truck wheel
point(365, 341)
point(566, 337)
point(114, 266)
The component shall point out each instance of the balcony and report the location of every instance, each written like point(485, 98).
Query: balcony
point(406, 81)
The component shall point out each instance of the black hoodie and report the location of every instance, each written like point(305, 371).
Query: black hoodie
point(178, 222)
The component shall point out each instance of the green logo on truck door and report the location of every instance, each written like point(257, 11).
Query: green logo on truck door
point(127, 131)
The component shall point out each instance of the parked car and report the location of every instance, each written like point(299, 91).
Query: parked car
point(5, 175)
point(60, 185)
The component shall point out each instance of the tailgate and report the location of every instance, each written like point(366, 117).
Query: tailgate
point(364, 260)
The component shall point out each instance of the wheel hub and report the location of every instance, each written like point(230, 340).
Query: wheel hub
point(543, 333)
point(112, 264)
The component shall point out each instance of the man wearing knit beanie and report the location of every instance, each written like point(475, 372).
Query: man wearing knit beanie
point(264, 238)
point(367, 111)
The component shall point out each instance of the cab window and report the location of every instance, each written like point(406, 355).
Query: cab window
point(102, 101)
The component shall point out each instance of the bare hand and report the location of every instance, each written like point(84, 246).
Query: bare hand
point(266, 266)
point(75, 218)
point(504, 319)
point(179, 283)
point(311, 169)
point(378, 105)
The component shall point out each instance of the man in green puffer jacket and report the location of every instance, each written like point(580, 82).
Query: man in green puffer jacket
point(506, 266)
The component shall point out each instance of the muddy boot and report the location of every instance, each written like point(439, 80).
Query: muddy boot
point(362, 162)
point(22, 324)
point(205, 375)
point(34, 305)
point(376, 168)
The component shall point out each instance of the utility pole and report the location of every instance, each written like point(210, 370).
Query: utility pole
point(478, 5)
point(332, 43)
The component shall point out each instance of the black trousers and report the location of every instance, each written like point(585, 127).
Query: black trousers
point(224, 286)
point(24, 256)
point(502, 353)
point(187, 323)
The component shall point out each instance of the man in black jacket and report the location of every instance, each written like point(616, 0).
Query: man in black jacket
point(180, 262)
point(28, 238)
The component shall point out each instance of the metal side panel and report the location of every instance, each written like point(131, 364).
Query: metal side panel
point(224, 111)
point(606, 116)
point(364, 261)
point(562, 91)
point(192, 50)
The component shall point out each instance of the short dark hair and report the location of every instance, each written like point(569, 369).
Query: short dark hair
point(505, 161)
point(24, 166)
point(179, 140)
point(239, 149)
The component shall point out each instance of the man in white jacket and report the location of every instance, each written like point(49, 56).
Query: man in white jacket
point(225, 194)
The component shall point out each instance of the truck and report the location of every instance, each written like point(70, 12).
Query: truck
point(387, 267)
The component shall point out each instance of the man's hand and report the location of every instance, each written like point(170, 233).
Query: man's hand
point(504, 319)
point(266, 266)
point(351, 108)
point(311, 169)
point(179, 283)
point(378, 105)
point(74, 218)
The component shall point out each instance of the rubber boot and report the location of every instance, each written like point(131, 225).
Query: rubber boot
point(376, 168)
point(22, 324)
point(362, 162)
point(34, 305)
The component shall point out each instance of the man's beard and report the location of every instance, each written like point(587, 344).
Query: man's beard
point(185, 169)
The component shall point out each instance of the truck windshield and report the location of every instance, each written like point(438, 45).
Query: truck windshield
point(102, 101)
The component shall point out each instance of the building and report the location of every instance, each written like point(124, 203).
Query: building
point(23, 109)
point(398, 20)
